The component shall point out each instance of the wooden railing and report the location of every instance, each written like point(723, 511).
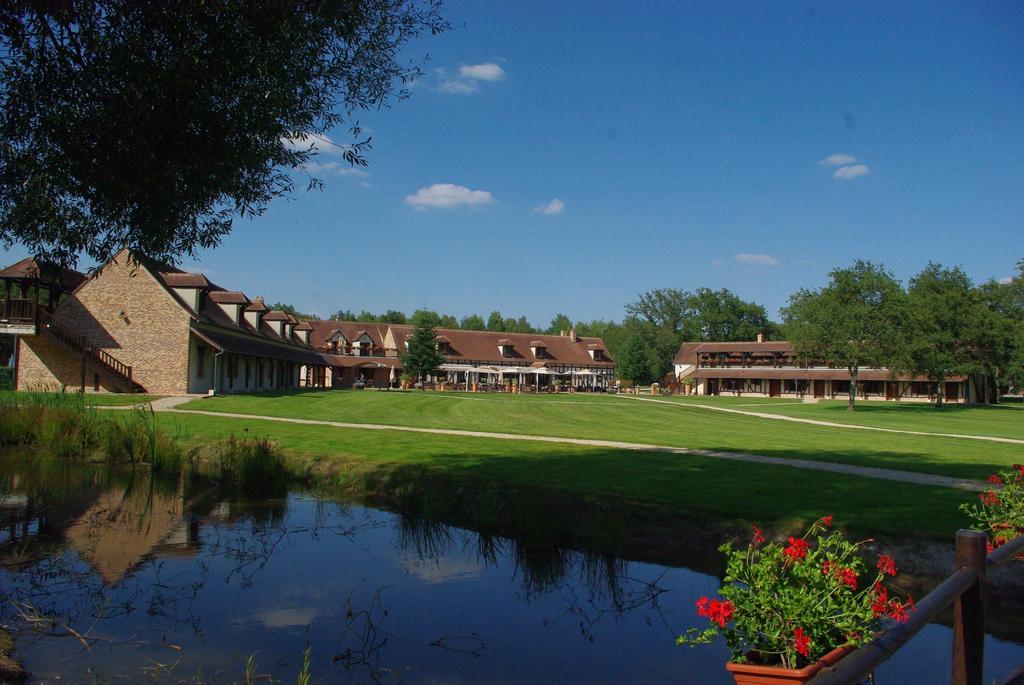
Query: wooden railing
point(965, 590)
point(81, 344)
point(19, 311)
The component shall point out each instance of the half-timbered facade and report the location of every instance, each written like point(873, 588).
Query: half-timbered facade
point(771, 369)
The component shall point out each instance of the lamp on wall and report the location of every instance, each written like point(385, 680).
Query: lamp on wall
point(124, 316)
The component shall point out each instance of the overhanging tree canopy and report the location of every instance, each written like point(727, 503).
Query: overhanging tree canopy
point(150, 124)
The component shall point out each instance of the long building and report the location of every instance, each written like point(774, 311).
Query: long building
point(771, 369)
point(138, 325)
point(369, 352)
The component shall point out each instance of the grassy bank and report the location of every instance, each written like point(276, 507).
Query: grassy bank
point(382, 461)
point(106, 399)
point(613, 418)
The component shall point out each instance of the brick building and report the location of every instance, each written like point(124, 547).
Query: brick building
point(142, 326)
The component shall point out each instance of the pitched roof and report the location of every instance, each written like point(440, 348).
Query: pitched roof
point(228, 297)
point(769, 372)
point(688, 351)
point(68, 279)
point(275, 315)
point(257, 305)
point(183, 279)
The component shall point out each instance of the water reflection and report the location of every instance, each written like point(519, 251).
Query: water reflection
point(114, 575)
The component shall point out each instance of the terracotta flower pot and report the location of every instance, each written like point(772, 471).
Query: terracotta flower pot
point(755, 674)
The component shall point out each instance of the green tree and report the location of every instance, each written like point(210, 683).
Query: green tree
point(152, 125)
point(422, 358)
point(944, 325)
point(366, 317)
point(425, 317)
point(1000, 349)
point(392, 316)
point(495, 323)
point(633, 363)
point(663, 319)
point(448, 321)
point(473, 322)
point(344, 315)
point(852, 323)
point(560, 323)
point(721, 316)
point(289, 309)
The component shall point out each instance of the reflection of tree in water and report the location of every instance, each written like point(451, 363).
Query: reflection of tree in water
point(542, 568)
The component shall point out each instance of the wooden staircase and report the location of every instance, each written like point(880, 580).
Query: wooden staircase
point(98, 358)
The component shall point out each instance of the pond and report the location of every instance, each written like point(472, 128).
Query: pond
point(112, 577)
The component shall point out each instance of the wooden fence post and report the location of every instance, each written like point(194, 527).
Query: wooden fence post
point(969, 611)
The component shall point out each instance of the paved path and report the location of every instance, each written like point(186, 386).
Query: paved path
point(818, 422)
point(866, 471)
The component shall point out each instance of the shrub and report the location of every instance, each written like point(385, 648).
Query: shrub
point(252, 463)
point(6, 378)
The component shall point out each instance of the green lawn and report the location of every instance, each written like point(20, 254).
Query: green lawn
point(117, 400)
point(614, 418)
point(687, 485)
point(1004, 421)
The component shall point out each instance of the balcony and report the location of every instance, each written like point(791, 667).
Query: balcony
point(18, 317)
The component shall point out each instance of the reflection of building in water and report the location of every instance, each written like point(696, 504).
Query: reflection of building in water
point(125, 527)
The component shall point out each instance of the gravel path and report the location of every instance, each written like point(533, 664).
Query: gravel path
point(818, 422)
point(169, 405)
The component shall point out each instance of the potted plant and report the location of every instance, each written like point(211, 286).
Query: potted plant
point(787, 610)
point(406, 381)
point(1001, 513)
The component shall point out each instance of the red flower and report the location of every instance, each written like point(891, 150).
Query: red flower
point(995, 479)
point(989, 498)
point(758, 537)
point(801, 642)
point(1019, 468)
point(881, 604)
point(797, 549)
point(702, 607)
point(886, 564)
point(721, 612)
point(827, 521)
point(848, 577)
point(826, 567)
point(898, 611)
point(718, 612)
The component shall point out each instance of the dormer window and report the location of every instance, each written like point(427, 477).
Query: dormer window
point(597, 352)
point(539, 349)
point(363, 345)
point(505, 347)
point(441, 343)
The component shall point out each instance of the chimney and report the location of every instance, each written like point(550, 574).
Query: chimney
point(760, 337)
point(573, 336)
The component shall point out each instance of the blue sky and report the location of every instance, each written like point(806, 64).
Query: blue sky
point(673, 145)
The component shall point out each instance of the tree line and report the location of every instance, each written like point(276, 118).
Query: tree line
point(940, 325)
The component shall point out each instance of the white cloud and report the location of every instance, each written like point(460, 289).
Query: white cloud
point(469, 78)
point(335, 168)
point(554, 207)
point(838, 159)
point(756, 259)
point(850, 172)
point(448, 195)
point(482, 72)
point(457, 87)
point(1006, 280)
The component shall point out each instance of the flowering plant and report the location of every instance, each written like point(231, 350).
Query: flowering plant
point(1001, 513)
point(788, 604)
